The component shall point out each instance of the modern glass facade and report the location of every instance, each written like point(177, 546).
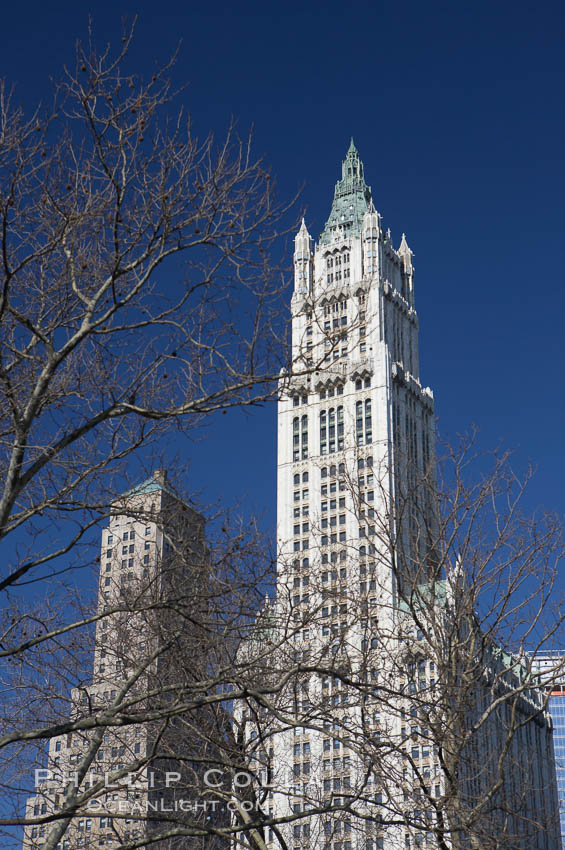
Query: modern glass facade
point(557, 710)
point(549, 667)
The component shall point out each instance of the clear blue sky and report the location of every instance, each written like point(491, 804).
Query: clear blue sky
point(457, 111)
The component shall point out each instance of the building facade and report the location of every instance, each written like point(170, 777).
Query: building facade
point(152, 553)
point(359, 761)
point(549, 668)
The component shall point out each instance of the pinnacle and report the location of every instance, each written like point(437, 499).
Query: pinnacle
point(403, 248)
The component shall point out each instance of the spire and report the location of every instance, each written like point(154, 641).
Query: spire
point(303, 241)
point(302, 261)
point(403, 248)
point(351, 199)
point(405, 254)
point(371, 218)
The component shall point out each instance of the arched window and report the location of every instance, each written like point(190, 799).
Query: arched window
point(359, 422)
point(331, 431)
point(324, 472)
point(296, 438)
point(304, 437)
point(333, 471)
point(368, 423)
point(340, 432)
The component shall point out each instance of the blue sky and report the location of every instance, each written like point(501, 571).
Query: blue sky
point(456, 110)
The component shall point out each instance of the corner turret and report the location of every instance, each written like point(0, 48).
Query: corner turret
point(406, 255)
point(303, 271)
point(370, 234)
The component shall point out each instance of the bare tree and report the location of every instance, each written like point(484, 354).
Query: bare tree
point(413, 713)
point(136, 295)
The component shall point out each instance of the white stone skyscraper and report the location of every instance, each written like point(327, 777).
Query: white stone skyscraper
point(354, 424)
point(359, 404)
point(351, 761)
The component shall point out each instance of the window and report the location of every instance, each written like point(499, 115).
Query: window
point(304, 438)
point(296, 438)
point(359, 422)
point(147, 544)
point(126, 535)
point(296, 480)
point(110, 539)
point(363, 424)
point(340, 429)
point(323, 433)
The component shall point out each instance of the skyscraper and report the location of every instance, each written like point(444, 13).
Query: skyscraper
point(350, 754)
point(152, 556)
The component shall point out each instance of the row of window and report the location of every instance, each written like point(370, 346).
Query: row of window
point(337, 260)
point(338, 275)
point(331, 430)
point(331, 539)
point(336, 307)
point(127, 535)
point(329, 392)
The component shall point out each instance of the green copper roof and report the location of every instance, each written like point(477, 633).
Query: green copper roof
point(153, 484)
point(351, 200)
